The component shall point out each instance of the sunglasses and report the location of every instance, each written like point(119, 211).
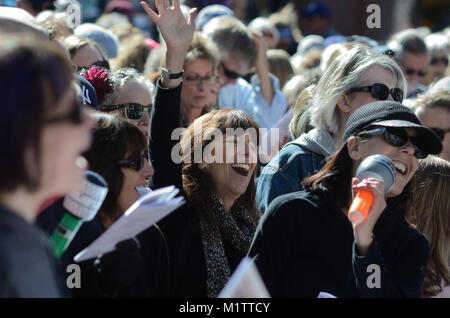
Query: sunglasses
point(380, 92)
point(436, 60)
point(396, 137)
point(133, 111)
point(74, 116)
point(135, 164)
point(197, 80)
point(410, 71)
point(440, 132)
point(99, 64)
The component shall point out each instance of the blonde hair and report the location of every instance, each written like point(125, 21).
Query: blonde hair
point(348, 70)
point(280, 66)
point(202, 48)
point(74, 43)
point(429, 213)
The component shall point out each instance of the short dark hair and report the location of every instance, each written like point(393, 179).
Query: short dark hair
point(34, 75)
point(114, 139)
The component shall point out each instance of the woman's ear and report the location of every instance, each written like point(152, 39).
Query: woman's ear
point(344, 103)
point(353, 148)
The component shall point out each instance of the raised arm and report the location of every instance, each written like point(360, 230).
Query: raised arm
point(178, 34)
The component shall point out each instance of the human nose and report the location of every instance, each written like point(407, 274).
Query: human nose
point(144, 121)
point(147, 170)
point(408, 148)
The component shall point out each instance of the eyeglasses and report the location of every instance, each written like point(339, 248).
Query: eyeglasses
point(135, 164)
point(440, 132)
point(197, 80)
point(410, 71)
point(396, 137)
point(229, 73)
point(133, 111)
point(436, 60)
point(380, 91)
point(74, 116)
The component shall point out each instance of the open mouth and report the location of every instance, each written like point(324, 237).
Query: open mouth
point(400, 167)
point(241, 168)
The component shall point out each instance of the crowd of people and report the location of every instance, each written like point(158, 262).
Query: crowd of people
point(304, 112)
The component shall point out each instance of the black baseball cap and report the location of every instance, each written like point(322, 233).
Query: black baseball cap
point(391, 114)
point(87, 94)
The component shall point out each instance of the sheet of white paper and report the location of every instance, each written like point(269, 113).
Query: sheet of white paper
point(325, 295)
point(280, 129)
point(245, 282)
point(145, 212)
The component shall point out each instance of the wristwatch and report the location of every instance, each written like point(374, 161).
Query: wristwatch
point(168, 76)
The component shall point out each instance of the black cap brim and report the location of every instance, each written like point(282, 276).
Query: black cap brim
point(426, 138)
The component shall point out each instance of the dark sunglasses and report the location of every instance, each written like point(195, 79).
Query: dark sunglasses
point(74, 116)
point(98, 64)
point(440, 132)
point(230, 74)
point(380, 91)
point(436, 60)
point(135, 164)
point(410, 71)
point(133, 111)
point(396, 137)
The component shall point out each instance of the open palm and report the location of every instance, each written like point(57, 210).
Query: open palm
point(176, 31)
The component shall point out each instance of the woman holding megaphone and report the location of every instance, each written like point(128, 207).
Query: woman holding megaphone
point(310, 241)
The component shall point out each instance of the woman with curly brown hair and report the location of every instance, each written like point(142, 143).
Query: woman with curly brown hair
point(208, 236)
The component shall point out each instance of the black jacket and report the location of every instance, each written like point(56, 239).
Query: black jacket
point(304, 245)
point(180, 228)
point(153, 278)
point(27, 267)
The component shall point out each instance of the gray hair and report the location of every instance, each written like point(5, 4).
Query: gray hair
point(202, 48)
point(232, 38)
point(347, 71)
point(407, 41)
point(262, 24)
point(120, 78)
point(437, 43)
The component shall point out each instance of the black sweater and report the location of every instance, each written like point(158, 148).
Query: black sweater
point(304, 245)
point(27, 267)
point(152, 280)
point(180, 228)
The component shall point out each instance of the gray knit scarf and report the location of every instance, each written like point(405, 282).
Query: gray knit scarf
point(237, 229)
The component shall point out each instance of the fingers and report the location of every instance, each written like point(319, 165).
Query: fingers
point(176, 3)
point(159, 5)
point(151, 14)
point(192, 15)
point(371, 184)
point(167, 4)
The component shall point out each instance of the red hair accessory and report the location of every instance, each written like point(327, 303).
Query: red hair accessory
point(99, 78)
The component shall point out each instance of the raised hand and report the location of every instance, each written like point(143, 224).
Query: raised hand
point(176, 31)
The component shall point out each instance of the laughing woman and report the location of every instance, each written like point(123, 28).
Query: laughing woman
point(139, 267)
point(209, 235)
point(305, 244)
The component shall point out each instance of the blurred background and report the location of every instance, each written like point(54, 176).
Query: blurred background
point(347, 17)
